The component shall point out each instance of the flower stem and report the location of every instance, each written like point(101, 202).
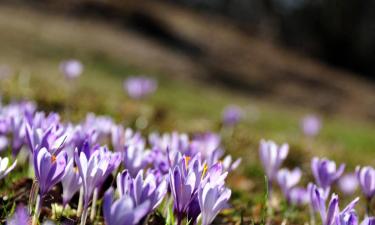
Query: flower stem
point(368, 207)
point(84, 216)
point(37, 210)
point(93, 205)
point(80, 202)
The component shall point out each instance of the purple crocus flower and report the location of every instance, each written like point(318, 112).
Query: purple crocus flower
point(49, 168)
point(271, 157)
point(368, 221)
point(232, 115)
point(135, 158)
point(140, 87)
point(298, 196)
point(141, 189)
point(92, 170)
point(311, 125)
point(71, 182)
point(287, 179)
point(348, 183)
point(325, 171)
point(20, 216)
point(318, 198)
point(366, 180)
point(212, 199)
point(122, 211)
point(184, 180)
point(71, 68)
point(348, 216)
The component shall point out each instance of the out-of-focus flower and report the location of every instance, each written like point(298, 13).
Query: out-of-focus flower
point(271, 157)
point(318, 197)
point(3, 143)
point(348, 183)
point(368, 221)
point(123, 211)
point(71, 68)
point(232, 115)
point(229, 165)
point(135, 158)
point(366, 180)
point(141, 189)
point(20, 216)
point(4, 169)
point(71, 182)
point(49, 168)
point(348, 216)
point(325, 171)
point(298, 196)
point(287, 179)
point(140, 87)
point(311, 125)
point(332, 215)
point(212, 199)
point(125, 137)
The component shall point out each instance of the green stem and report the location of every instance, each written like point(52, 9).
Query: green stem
point(37, 210)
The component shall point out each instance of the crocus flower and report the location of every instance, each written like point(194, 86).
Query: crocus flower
point(287, 179)
point(298, 196)
point(366, 180)
point(92, 170)
point(232, 115)
point(140, 87)
point(20, 216)
point(71, 182)
point(122, 211)
point(368, 221)
point(135, 158)
point(348, 183)
point(49, 168)
point(212, 199)
point(4, 169)
point(141, 189)
point(184, 180)
point(325, 171)
point(318, 197)
point(311, 125)
point(71, 68)
point(271, 157)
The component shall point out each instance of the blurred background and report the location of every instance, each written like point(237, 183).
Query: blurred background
point(301, 52)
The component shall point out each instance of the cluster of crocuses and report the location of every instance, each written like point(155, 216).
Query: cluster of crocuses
point(184, 174)
point(325, 173)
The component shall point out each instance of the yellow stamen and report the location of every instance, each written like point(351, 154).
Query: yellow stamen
point(205, 168)
point(53, 159)
point(187, 159)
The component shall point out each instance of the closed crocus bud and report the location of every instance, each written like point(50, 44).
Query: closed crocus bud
point(318, 197)
point(71, 68)
point(140, 87)
point(348, 183)
point(325, 171)
point(366, 180)
point(272, 156)
point(311, 125)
